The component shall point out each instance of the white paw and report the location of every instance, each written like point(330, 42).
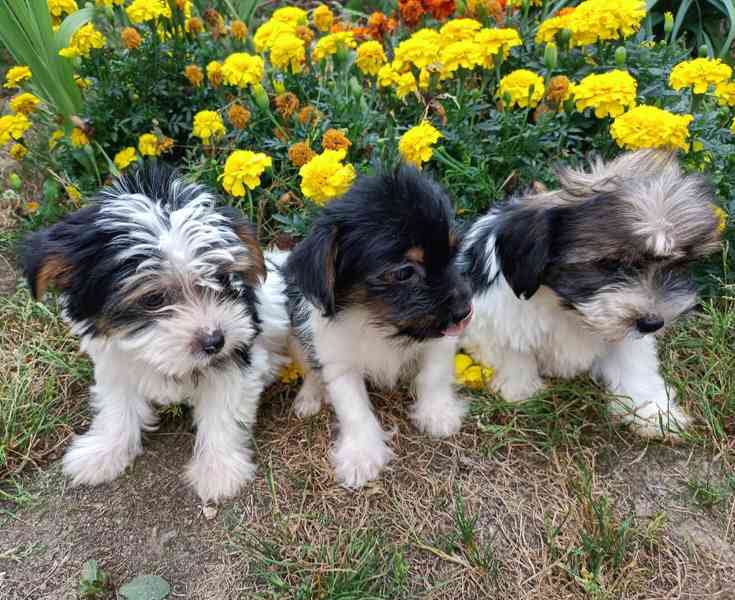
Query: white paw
point(359, 460)
point(517, 388)
point(217, 475)
point(654, 419)
point(91, 459)
point(440, 418)
point(308, 401)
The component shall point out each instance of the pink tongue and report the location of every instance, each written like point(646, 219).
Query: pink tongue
point(455, 330)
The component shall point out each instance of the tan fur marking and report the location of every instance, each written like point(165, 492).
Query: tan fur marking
point(416, 253)
point(254, 271)
point(54, 270)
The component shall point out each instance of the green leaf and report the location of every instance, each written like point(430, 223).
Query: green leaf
point(146, 587)
point(89, 568)
point(50, 194)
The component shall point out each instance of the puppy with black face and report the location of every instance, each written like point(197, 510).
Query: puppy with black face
point(375, 292)
point(584, 278)
point(166, 292)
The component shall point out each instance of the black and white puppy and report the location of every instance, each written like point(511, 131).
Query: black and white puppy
point(166, 292)
point(375, 292)
point(580, 279)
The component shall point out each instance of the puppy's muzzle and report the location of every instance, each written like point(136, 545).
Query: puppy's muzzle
point(212, 343)
point(649, 324)
point(461, 319)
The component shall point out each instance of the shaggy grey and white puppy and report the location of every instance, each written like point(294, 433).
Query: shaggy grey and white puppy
point(375, 293)
point(580, 279)
point(166, 292)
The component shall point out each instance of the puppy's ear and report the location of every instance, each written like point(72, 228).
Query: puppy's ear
point(45, 262)
point(252, 267)
point(523, 245)
point(312, 267)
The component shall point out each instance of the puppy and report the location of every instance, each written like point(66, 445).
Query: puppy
point(166, 292)
point(582, 278)
point(375, 292)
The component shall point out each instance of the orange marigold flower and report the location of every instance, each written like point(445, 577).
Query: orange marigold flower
point(308, 115)
point(194, 74)
point(333, 139)
point(411, 11)
point(195, 25)
point(281, 134)
point(379, 25)
point(238, 116)
point(558, 89)
point(304, 33)
point(440, 9)
point(165, 144)
point(238, 29)
point(216, 23)
point(565, 11)
point(131, 38)
point(340, 26)
point(287, 104)
point(300, 153)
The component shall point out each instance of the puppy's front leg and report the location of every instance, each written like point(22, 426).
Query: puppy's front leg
point(224, 413)
point(360, 452)
point(515, 373)
point(115, 437)
point(438, 411)
point(630, 369)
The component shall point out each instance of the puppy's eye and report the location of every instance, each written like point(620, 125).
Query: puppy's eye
point(405, 273)
point(152, 301)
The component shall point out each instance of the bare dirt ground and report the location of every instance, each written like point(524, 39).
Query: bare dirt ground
point(148, 521)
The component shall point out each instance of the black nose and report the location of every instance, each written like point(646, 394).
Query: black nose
point(649, 324)
point(213, 342)
point(460, 313)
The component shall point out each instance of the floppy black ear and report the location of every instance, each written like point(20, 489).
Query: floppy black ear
point(523, 245)
point(312, 267)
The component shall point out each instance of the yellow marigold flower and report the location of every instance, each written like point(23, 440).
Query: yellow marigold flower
point(82, 82)
point(291, 373)
point(464, 54)
point(416, 144)
point(458, 30)
point(32, 207)
point(324, 177)
point(242, 69)
point(18, 151)
point(469, 374)
point(424, 79)
point(269, 32)
point(83, 41)
point(550, 27)
point(244, 167)
point(238, 30)
point(651, 127)
point(525, 88)
point(608, 93)
point(699, 73)
point(125, 158)
point(333, 139)
point(141, 11)
point(721, 216)
point(148, 144)
point(13, 126)
point(131, 38)
point(420, 50)
point(54, 139)
point(405, 84)
point(287, 104)
point(598, 20)
point(387, 75)
point(214, 73)
point(559, 89)
point(491, 42)
point(323, 18)
point(24, 103)
point(238, 115)
point(300, 153)
point(288, 51)
point(290, 14)
point(194, 74)
point(370, 57)
point(58, 7)
point(16, 75)
point(79, 137)
point(330, 43)
point(305, 34)
point(725, 93)
point(308, 115)
point(73, 193)
point(208, 124)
